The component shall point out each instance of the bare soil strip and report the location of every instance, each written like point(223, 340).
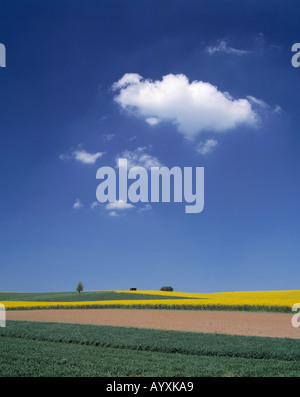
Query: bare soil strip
point(234, 323)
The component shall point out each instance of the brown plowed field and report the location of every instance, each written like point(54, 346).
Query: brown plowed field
point(238, 323)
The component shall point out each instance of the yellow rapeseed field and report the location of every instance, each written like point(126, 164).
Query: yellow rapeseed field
point(131, 302)
point(252, 298)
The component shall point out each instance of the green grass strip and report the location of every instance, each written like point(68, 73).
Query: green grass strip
point(34, 358)
point(83, 296)
point(191, 343)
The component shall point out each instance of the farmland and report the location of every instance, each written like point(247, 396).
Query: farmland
point(268, 301)
point(49, 349)
point(226, 322)
point(171, 334)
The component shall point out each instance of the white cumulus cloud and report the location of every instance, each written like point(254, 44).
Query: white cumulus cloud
point(127, 79)
point(193, 107)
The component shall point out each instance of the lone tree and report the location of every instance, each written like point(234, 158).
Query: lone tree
point(79, 287)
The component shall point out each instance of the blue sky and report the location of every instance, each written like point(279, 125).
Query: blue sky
point(62, 118)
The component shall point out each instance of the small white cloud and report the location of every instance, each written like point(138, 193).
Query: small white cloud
point(119, 205)
point(263, 106)
point(223, 47)
point(207, 146)
point(81, 155)
point(191, 107)
point(139, 158)
point(152, 120)
point(108, 137)
point(64, 156)
point(147, 207)
point(258, 102)
point(77, 204)
point(277, 109)
point(94, 204)
point(276, 47)
point(85, 157)
point(113, 213)
point(132, 138)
